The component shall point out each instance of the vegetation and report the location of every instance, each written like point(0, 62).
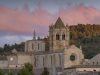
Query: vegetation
point(29, 67)
point(88, 36)
point(7, 48)
point(1, 72)
point(45, 72)
point(26, 70)
point(10, 73)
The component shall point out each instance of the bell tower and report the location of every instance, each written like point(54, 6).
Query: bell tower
point(58, 36)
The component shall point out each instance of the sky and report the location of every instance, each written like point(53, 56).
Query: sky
point(19, 18)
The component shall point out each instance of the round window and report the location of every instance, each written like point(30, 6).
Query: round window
point(72, 57)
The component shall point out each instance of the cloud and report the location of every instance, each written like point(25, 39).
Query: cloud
point(80, 14)
point(13, 39)
point(23, 21)
point(15, 22)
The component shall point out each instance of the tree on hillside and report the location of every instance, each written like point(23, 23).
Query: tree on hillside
point(7, 48)
point(1, 50)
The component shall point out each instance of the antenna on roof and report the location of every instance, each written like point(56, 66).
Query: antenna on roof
point(34, 35)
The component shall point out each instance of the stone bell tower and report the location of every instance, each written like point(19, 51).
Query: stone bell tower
point(58, 36)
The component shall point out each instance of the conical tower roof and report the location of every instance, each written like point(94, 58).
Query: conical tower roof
point(59, 23)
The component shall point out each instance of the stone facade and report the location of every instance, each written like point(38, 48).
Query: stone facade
point(38, 60)
point(34, 46)
point(58, 36)
point(73, 56)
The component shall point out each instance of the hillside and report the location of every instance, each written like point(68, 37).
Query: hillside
point(88, 36)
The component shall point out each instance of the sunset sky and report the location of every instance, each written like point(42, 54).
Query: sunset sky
point(19, 18)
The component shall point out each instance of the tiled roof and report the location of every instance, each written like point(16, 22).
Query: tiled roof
point(84, 66)
point(59, 23)
point(96, 58)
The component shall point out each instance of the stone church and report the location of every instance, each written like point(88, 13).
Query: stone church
point(59, 56)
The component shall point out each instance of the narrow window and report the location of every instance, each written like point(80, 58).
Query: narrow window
point(32, 46)
point(51, 60)
point(38, 46)
point(54, 59)
point(57, 37)
point(63, 37)
point(35, 61)
point(43, 60)
point(93, 63)
point(59, 60)
point(97, 63)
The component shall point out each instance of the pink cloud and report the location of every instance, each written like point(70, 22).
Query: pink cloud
point(80, 14)
point(22, 21)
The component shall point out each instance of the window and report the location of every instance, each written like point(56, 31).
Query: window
point(94, 70)
point(97, 63)
point(43, 60)
point(32, 46)
point(35, 61)
point(57, 37)
point(72, 57)
point(38, 46)
point(59, 59)
point(54, 59)
point(93, 63)
point(63, 37)
point(51, 60)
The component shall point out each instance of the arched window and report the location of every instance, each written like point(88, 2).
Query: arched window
point(32, 46)
point(43, 61)
point(38, 46)
point(57, 37)
point(60, 59)
point(97, 63)
point(51, 60)
point(35, 61)
point(63, 37)
point(93, 63)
